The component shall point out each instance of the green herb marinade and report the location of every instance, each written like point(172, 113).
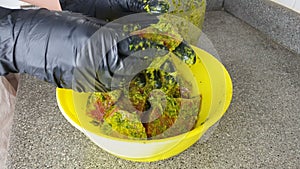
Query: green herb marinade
point(156, 105)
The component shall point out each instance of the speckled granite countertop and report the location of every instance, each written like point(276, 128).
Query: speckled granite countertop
point(261, 129)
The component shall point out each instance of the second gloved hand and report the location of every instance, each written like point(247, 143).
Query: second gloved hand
point(113, 9)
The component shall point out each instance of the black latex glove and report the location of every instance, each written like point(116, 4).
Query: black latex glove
point(112, 9)
point(65, 48)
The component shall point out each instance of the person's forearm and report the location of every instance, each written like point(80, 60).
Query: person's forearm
point(48, 4)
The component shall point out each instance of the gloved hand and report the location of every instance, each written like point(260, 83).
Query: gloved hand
point(113, 9)
point(64, 48)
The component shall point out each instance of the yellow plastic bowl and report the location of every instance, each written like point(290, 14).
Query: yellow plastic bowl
point(213, 82)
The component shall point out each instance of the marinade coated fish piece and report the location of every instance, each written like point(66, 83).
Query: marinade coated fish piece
point(179, 116)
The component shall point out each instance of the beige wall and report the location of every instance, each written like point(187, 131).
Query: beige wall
point(293, 4)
